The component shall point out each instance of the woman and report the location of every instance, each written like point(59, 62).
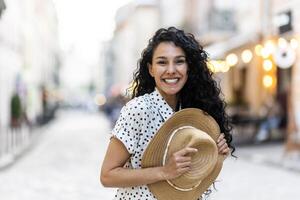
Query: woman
point(172, 74)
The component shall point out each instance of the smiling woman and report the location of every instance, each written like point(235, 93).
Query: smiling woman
point(172, 74)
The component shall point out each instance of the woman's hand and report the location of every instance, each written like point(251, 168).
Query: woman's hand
point(178, 163)
point(223, 148)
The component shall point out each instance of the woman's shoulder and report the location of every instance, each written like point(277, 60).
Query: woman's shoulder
point(139, 104)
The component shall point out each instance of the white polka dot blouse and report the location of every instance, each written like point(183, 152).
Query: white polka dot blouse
point(138, 122)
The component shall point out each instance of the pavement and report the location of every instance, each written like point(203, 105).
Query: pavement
point(65, 162)
point(271, 154)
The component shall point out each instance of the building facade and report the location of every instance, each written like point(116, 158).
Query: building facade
point(29, 57)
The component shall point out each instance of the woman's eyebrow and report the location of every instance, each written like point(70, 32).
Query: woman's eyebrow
point(160, 57)
point(163, 57)
point(181, 56)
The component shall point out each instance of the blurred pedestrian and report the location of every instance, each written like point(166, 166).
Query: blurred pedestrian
point(273, 116)
point(15, 111)
point(172, 75)
point(113, 107)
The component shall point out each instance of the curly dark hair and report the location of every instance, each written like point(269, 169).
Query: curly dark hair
point(200, 90)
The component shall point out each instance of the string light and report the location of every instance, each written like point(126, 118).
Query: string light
point(247, 56)
point(231, 59)
point(267, 81)
point(258, 49)
point(282, 43)
point(270, 46)
point(267, 65)
point(218, 66)
point(294, 43)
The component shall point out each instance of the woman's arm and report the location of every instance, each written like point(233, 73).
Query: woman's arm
point(113, 174)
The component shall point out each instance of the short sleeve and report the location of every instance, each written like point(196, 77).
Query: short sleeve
point(128, 126)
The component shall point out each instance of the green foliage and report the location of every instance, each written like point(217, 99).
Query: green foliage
point(16, 107)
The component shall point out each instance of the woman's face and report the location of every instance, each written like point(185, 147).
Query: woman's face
point(169, 69)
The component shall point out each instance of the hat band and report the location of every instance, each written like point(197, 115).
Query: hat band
point(165, 157)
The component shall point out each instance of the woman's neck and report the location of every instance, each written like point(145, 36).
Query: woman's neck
point(172, 101)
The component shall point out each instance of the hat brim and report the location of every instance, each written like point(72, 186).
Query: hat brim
point(153, 155)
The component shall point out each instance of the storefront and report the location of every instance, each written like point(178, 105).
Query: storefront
point(256, 81)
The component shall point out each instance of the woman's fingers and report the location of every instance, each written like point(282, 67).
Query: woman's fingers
point(185, 151)
point(226, 151)
point(183, 159)
point(223, 150)
point(221, 137)
point(222, 145)
point(183, 170)
point(178, 163)
point(184, 164)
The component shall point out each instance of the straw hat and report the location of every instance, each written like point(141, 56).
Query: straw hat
point(189, 127)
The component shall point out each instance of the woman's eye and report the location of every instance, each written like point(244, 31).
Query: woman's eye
point(180, 61)
point(161, 62)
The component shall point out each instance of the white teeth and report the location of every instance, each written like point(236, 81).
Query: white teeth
point(174, 80)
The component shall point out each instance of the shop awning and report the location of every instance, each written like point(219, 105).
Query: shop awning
point(219, 50)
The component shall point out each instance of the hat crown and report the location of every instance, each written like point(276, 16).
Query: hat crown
point(202, 162)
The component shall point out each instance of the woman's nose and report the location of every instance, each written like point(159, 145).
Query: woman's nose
point(171, 68)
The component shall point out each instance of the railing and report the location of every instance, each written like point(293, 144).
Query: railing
point(13, 142)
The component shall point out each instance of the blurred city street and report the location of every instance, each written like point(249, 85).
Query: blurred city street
point(68, 67)
point(64, 164)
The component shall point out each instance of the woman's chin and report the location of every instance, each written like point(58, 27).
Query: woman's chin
point(172, 91)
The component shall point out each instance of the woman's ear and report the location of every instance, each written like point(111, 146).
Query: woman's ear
point(150, 69)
